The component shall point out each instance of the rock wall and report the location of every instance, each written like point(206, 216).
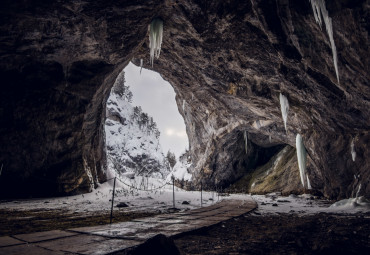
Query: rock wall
point(58, 62)
point(227, 61)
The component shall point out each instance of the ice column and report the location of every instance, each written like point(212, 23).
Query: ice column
point(302, 157)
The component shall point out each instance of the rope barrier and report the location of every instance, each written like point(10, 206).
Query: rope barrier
point(92, 183)
point(133, 187)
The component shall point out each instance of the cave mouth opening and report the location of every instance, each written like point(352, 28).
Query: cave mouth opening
point(143, 123)
point(260, 166)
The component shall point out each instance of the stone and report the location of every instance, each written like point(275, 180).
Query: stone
point(9, 241)
point(44, 235)
point(185, 203)
point(122, 204)
point(159, 244)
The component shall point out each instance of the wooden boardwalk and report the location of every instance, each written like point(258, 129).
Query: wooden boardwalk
point(105, 239)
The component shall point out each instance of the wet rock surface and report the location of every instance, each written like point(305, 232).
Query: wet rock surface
point(282, 234)
point(227, 61)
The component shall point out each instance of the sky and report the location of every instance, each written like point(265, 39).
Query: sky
point(157, 98)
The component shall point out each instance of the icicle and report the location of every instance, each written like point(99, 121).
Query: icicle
point(353, 152)
point(246, 141)
point(270, 138)
point(141, 65)
point(308, 183)
point(301, 155)
point(284, 105)
point(183, 106)
point(155, 38)
point(258, 124)
point(318, 7)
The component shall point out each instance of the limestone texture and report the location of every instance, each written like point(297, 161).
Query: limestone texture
point(228, 61)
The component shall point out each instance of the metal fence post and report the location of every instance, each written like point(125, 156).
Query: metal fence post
point(111, 210)
point(201, 194)
point(173, 190)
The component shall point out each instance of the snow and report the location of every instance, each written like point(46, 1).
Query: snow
point(307, 204)
point(159, 199)
point(284, 105)
point(319, 10)
point(131, 145)
point(301, 155)
point(353, 152)
point(180, 172)
point(155, 38)
point(141, 194)
point(352, 204)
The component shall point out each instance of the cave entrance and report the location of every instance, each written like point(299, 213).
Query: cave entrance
point(143, 124)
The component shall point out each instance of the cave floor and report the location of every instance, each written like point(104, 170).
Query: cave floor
point(280, 225)
point(116, 237)
point(285, 233)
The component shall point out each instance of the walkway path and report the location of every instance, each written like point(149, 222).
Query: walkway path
point(105, 239)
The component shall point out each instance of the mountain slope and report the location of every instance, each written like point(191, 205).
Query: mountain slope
point(132, 137)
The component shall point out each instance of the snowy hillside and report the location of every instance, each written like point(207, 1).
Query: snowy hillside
point(132, 137)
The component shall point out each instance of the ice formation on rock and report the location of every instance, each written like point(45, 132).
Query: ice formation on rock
point(302, 157)
point(353, 152)
point(245, 134)
point(319, 10)
point(155, 38)
point(284, 105)
point(353, 203)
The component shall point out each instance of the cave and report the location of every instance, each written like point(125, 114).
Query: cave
point(228, 61)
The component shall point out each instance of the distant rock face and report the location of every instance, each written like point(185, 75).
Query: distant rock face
point(228, 61)
point(132, 137)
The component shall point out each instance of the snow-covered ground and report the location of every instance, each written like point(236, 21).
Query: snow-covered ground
point(306, 204)
point(154, 195)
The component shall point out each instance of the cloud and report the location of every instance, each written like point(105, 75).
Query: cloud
point(157, 97)
point(174, 132)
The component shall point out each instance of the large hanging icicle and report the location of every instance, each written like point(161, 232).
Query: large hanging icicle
point(141, 65)
point(245, 134)
point(155, 38)
point(353, 152)
point(284, 105)
point(319, 9)
point(302, 157)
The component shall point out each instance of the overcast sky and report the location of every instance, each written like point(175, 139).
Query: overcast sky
point(157, 98)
